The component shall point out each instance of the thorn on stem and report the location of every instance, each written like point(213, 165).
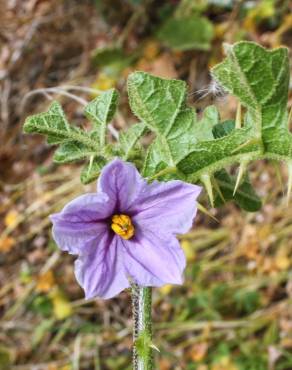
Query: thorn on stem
point(206, 180)
point(248, 142)
point(238, 117)
point(206, 212)
point(241, 172)
point(218, 190)
point(152, 345)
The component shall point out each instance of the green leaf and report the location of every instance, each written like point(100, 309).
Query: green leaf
point(223, 128)
point(53, 122)
point(92, 170)
point(72, 151)
point(259, 78)
point(185, 33)
point(101, 111)
point(204, 127)
point(183, 146)
point(111, 55)
point(160, 104)
point(245, 196)
point(76, 144)
point(129, 138)
point(55, 126)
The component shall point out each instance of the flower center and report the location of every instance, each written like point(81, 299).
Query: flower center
point(122, 225)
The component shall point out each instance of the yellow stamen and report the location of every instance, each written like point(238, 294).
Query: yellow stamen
point(122, 225)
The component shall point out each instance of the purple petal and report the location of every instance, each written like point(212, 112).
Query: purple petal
point(76, 238)
point(154, 259)
point(101, 273)
point(168, 206)
point(122, 183)
point(78, 226)
point(89, 207)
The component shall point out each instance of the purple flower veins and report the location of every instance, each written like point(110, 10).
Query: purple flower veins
point(126, 231)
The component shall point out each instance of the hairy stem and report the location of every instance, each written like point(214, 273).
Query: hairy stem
point(142, 328)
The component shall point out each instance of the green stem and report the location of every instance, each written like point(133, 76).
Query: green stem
point(142, 328)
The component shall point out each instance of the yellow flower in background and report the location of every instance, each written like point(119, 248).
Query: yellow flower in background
point(188, 249)
point(11, 218)
point(61, 306)
point(45, 282)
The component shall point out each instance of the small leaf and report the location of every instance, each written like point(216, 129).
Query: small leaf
point(101, 111)
point(204, 127)
point(72, 151)
point(92, 170)
point(129, 138)
point(223, 128)
point(245, 196)
point(185, 33)
point(54, 124)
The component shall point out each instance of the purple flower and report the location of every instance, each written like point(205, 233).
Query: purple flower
point(126, 231)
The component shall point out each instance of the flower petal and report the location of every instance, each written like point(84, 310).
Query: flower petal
point(122, 183)
point(153, 259)
point(101, 273)
point(89, 207)
point(169, 206)
point(76, 238)
point(78, 226)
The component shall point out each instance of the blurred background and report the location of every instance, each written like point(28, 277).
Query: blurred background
point(234, 311)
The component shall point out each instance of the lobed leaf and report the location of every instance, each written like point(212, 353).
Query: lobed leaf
point(185, 147)
point(72, 151)
point(101, 111)
point(259, 78)
point(55, 126)
point(130, 137)
point(160, 105)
